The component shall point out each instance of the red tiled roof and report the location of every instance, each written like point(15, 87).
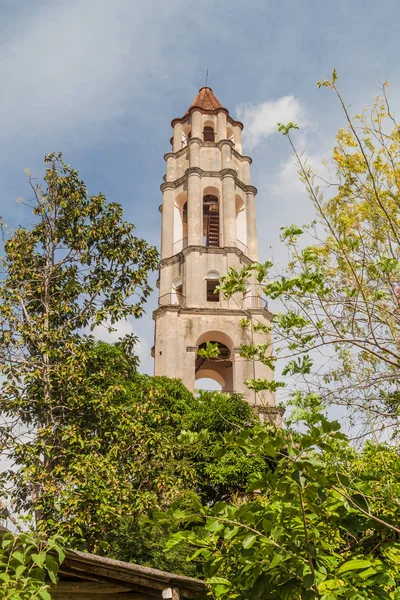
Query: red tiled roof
point(206, 100)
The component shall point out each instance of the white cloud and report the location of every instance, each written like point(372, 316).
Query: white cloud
point(122, 328)
point(287, 183)
point(284, 200)
point(261, 119)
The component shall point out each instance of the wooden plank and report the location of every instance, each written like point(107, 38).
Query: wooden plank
point(76, 568)
point(92, 595)
point(87, 587)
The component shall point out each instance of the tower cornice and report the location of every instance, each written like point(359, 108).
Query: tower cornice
point(206, 111)
point(219, 174)
point(225, 141)
point(168, 185)
point(194, 171)
point(212, 311)
point(195, 107)
point(251, 188)
point(228, 173)
point(224, 250)
point(184, 150)
point(242, 156)
point(194, 140)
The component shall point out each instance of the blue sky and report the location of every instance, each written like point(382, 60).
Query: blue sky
point(101, 80)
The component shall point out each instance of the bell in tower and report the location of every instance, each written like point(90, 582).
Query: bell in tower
point(208, 225)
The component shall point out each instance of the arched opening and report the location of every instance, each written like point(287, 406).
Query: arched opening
point(176, 292)
point(208, 133)
point(208, 384)
point(211, 233)
point(219, 367)
point(230, 135)
point(241, 227)
point(180, 222)
point(186, 134)
point(212, 282)
point(218, 336)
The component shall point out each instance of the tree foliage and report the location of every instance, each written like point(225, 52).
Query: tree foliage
point(28, 566)
point(79, 266)
point(131, 445)
point(337, 324)
point(322, 523)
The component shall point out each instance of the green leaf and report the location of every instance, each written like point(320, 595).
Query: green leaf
point(249, 541)
point(276, 560)
point(354, 565)
point(230, 533)
point(219, 585)
point(18, 556)
point(19, 571)
point(39, 559)
point(179, 514)
point(212, 525)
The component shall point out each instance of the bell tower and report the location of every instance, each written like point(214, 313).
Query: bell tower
point(208, 225)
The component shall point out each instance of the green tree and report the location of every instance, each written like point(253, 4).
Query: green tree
point(322, 523)
point(216, 475)
point(339, 297)
point(78, 266)
point(130, 445)
point(114, 454)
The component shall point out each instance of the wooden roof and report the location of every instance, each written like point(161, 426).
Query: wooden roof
point(85, 576)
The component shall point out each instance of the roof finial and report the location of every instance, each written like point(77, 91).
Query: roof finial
point(206, 77)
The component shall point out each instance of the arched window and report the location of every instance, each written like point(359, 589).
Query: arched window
point(241, 227)
point(176, 295)
point(208, 134)
point(180, 223)
point(211, 236)
point(186, 134)
point(212, 282)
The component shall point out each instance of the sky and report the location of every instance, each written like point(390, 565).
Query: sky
point(101, 80)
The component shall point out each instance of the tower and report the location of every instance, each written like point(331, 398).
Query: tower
point(208, 225)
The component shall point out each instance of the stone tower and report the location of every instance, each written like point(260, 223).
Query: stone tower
point(208, 225)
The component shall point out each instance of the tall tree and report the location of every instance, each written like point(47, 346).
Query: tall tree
point(339, 297)
point(130, 445)
point(78, 266)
